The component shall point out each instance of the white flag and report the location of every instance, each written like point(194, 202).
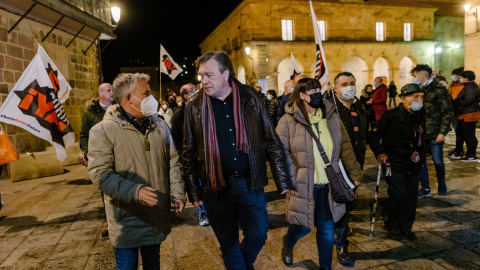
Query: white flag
point(294, 68)
point(321, 70)
point(35, 103)
point(167, 65)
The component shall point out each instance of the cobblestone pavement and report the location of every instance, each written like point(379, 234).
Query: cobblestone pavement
point(55, 223)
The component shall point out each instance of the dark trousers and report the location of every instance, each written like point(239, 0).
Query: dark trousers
point(323, 220)
point(238, 203)
point(402, 200)
point(127, 258)
point(465, 132)
point(394, 102)
point(341, 229)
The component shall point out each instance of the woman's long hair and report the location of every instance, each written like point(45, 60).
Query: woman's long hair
point(303, 86)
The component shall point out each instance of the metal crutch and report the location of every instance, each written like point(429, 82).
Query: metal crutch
point(388, 172)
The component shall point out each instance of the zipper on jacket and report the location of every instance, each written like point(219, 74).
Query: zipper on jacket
point(146, 143)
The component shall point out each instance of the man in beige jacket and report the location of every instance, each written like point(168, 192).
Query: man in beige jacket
point(133, 161)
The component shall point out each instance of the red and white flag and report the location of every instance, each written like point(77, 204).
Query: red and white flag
point(35, 103)
point(167, 65)
point(321, 70)
point(294, 68)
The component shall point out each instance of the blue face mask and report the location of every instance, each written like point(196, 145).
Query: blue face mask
point(416, 106)
point(416, 81)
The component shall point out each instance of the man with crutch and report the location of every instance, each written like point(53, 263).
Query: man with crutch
point(398, 138)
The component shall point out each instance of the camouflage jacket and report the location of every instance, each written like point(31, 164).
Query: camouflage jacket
point(438, 110)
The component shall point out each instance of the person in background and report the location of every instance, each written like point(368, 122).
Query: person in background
point(379, 98)
point(262, 95)
point(273, 106)
point(288, 89)
point(166, 113)
point(454, 89)
point(95, 110)
point(398, 138)
point(392, 95)
point(366, 96)
point(468, 108)
point(439, 116)
point(309, 205)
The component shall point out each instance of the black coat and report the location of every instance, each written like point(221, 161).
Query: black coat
point(272, 111)
point(263, 141)
point(397, 134)
point(177, 127)
point(468, 99)
point(359, 147)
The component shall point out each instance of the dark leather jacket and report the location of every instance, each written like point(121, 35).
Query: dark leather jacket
point(264, 143)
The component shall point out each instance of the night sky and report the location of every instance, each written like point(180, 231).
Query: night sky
point(179, 25)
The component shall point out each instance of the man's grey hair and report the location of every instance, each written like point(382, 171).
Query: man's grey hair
point(125, 83)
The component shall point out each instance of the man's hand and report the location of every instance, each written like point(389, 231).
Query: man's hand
point(147, 196)
point(197, 205)
point(440, 138)
point(382, 158)
point(179, 205)
point(369, 102)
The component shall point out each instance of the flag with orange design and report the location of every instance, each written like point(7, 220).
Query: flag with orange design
point(35, 103)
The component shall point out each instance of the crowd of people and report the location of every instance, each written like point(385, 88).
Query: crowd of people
point(213, 145)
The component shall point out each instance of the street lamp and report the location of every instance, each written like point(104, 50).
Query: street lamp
point(438, 50)
point(467, 8)
point(115, 15)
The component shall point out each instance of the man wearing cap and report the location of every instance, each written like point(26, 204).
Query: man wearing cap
point(398, 138)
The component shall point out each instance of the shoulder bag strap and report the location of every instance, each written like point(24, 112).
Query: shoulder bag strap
point(319, 145)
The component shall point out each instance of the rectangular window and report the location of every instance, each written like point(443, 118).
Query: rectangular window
point(380, 30)
point(287, 30)
point(407, 31)
point(321, 26)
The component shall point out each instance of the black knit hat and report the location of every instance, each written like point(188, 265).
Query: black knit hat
point(410, 89)
point(457, 71)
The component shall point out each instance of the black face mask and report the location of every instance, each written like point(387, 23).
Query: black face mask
point(316, 100)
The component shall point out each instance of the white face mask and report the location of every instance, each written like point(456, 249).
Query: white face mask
point(348, 93)
point(462, 80)
point(164, 107)
point(454, 79)
point(180, 103)
point(148, 105)
point(269, 97)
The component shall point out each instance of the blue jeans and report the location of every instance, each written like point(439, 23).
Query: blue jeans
point(238, 203)
point(127, 258)
point(437, 156)
point(325, 227)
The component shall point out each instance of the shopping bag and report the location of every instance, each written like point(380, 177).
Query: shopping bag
point(7, 151)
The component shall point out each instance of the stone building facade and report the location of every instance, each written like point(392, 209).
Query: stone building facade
point(81, 69)
point(353, 39)
point(472, 37)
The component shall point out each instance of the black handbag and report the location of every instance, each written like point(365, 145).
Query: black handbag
point(342, 191)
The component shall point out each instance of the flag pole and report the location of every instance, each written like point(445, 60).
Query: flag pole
point(160, 70)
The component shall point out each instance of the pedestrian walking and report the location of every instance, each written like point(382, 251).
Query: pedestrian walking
point(398, 138)
point(166, 113)
point(228, 139)
point(273, 104)
point(365, 98)
point(353, 116)
point(439, 116)
point(288, 89)
point(133, 160)
point(310, 203)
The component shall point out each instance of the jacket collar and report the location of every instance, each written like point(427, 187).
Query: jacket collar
point(114, 114)
point(298, 115)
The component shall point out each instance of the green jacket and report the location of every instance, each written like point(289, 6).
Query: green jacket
point(93, 115)
point(119, 165)
point(438, 110)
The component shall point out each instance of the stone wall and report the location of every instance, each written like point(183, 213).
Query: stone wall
point(18, 48)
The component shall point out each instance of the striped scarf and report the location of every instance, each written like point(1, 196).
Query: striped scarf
point(212, 153)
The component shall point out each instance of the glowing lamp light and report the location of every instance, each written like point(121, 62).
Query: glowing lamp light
point(247, 51)
point(467, 8)
point(438, 49)
point(457, 45)
point(116, 14)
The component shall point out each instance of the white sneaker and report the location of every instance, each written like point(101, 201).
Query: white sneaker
point(203, 220)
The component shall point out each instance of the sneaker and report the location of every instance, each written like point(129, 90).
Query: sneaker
point(409, 235)
point(395, 234)
point(424, 192)
point(455, 155)
point(470, 159)
point(287, 253)
point(202, 219)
